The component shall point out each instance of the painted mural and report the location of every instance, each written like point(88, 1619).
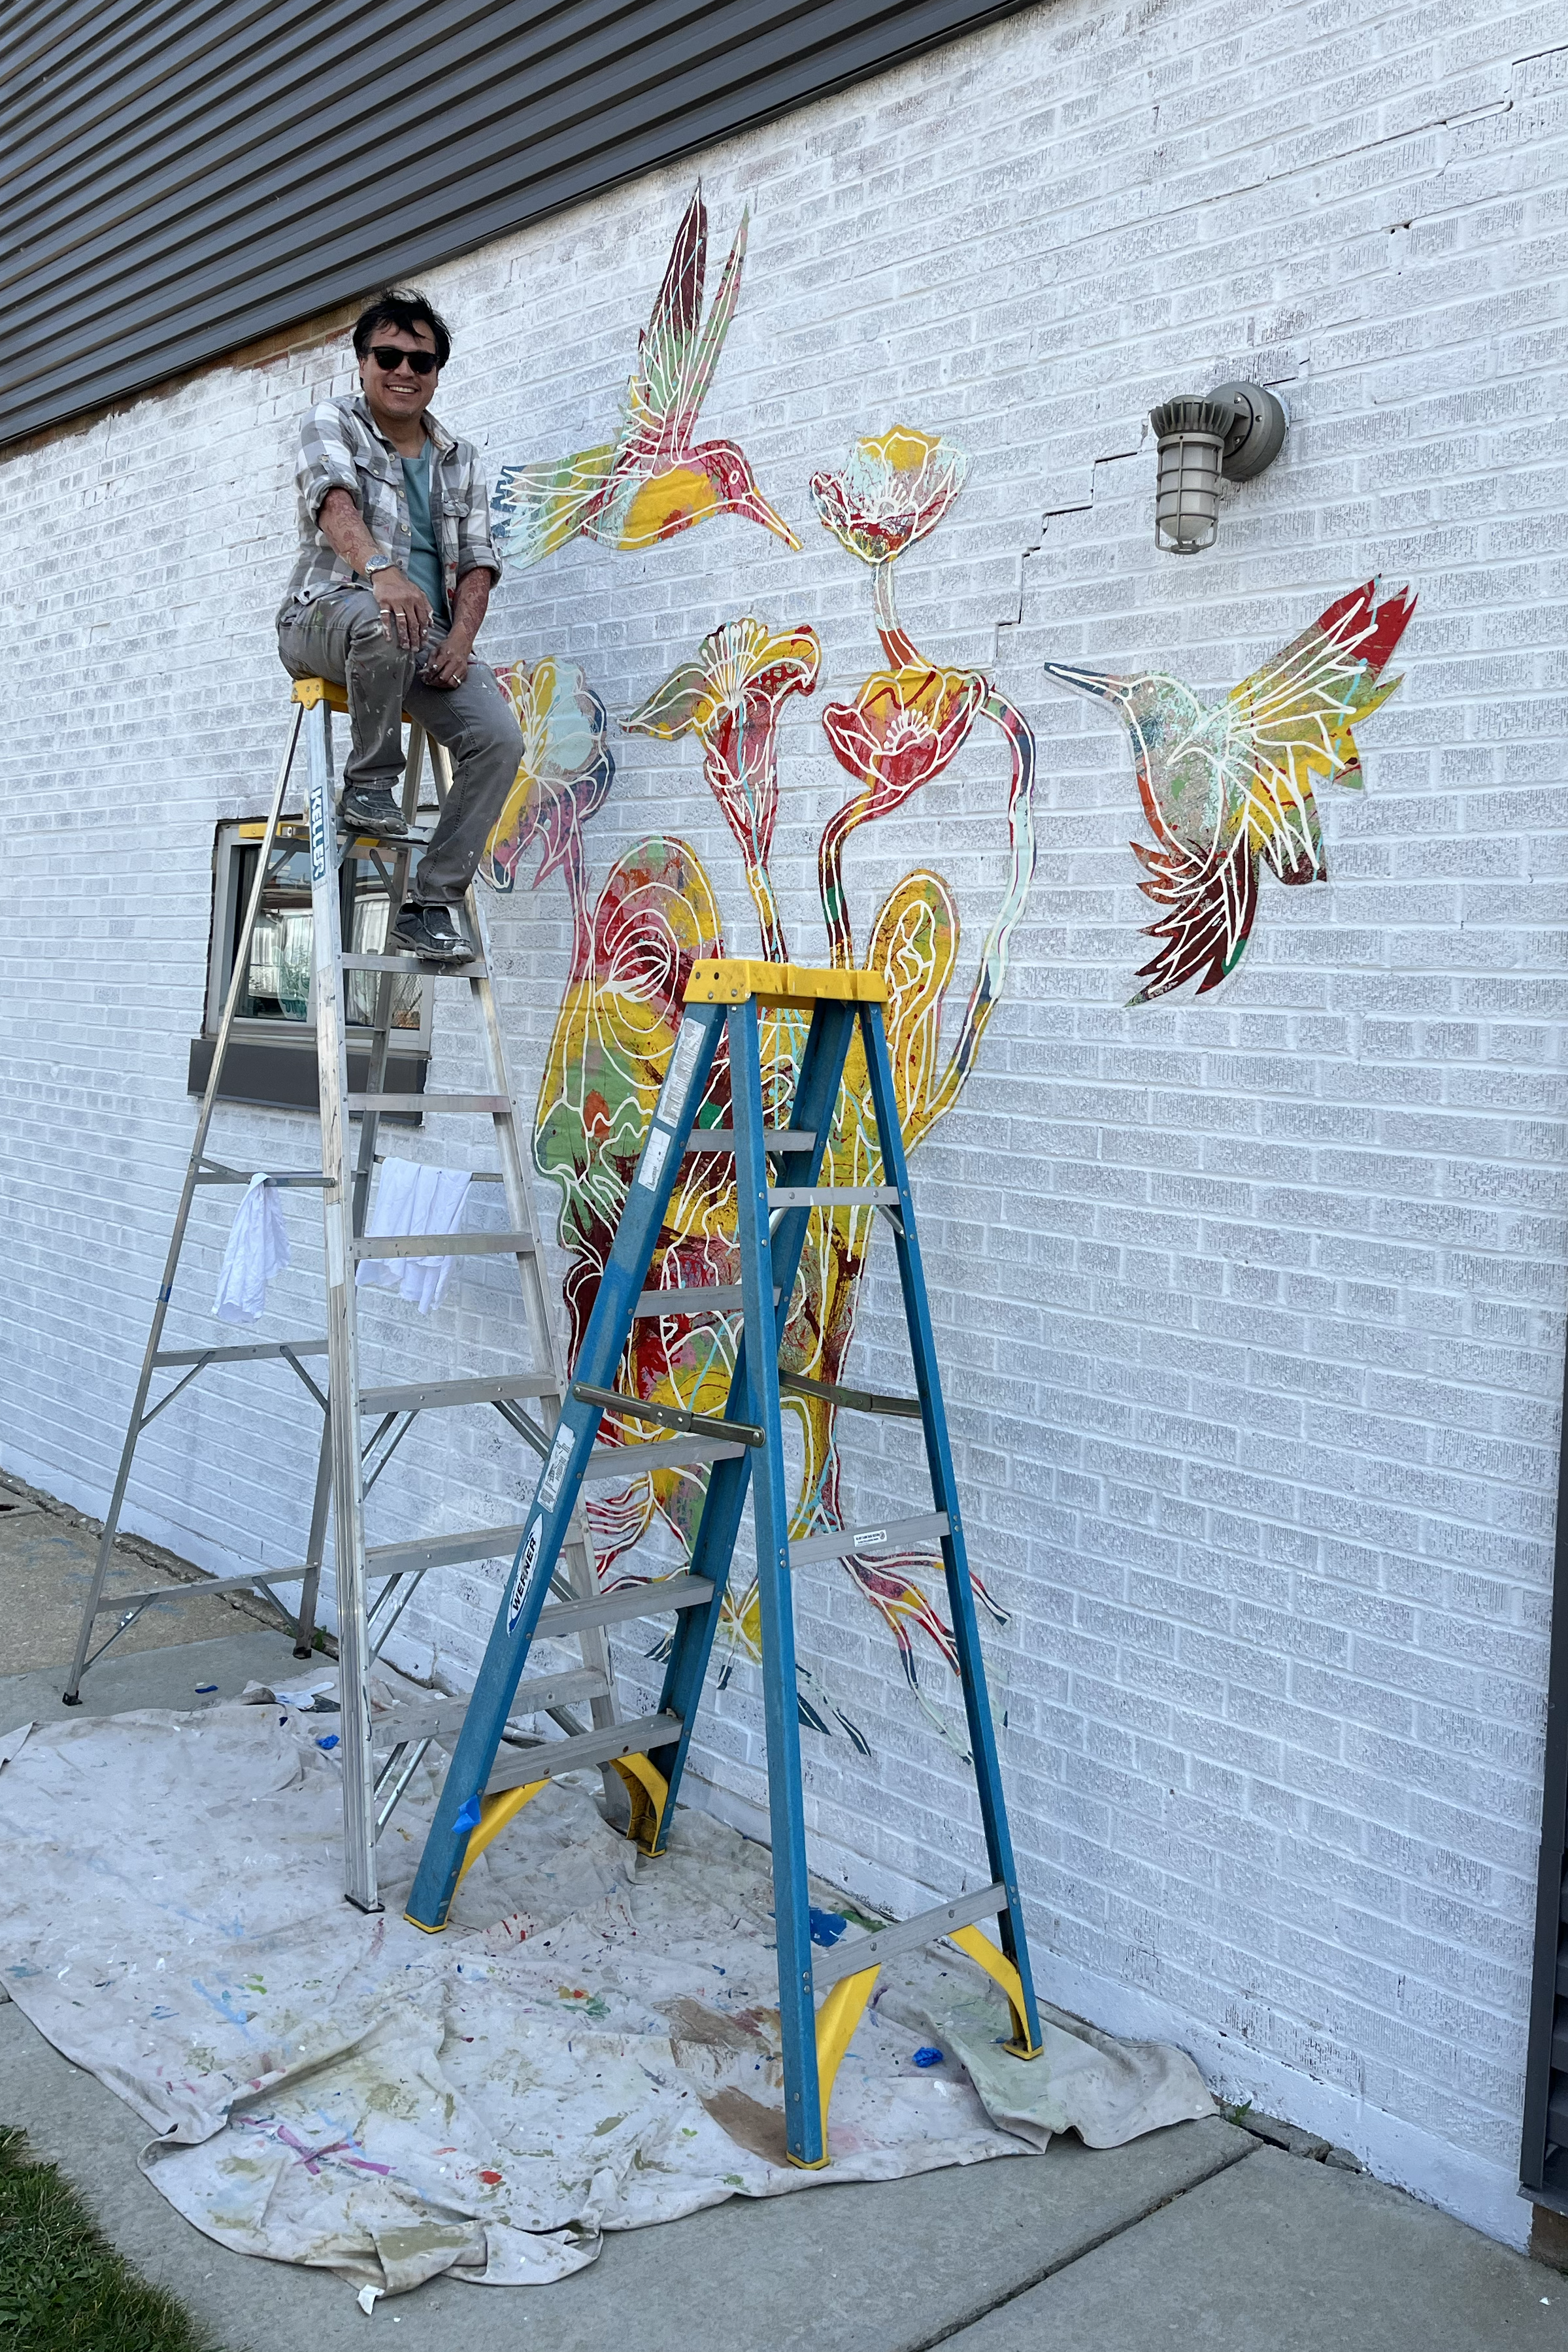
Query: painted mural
point(654, 478)
point(1224, 790)
point(1227, 787)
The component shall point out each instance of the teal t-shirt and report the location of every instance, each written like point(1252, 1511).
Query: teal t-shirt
point(425, 568)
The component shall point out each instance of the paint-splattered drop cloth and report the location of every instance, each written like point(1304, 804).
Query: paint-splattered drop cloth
point(592, 2045)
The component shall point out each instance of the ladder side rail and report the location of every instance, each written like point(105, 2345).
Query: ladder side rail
point(945, 1496)
point(803, 2131)
point(386, 986)
point(310, 1583)
point(342, 1348)
point(182, 1214)
point(816, 1097)
point(561, 1479)
point(549, 1349)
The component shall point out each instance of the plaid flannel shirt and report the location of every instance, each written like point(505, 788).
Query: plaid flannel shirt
point(341, 449)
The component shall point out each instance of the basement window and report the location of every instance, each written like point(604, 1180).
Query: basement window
point(271, 1057)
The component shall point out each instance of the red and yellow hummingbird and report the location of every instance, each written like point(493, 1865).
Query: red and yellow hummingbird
point(1228, 786)
point(654, 480)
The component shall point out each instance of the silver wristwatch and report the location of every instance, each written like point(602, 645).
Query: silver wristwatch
point(379, 563)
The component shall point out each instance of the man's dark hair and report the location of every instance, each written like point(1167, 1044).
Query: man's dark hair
point(403, 306)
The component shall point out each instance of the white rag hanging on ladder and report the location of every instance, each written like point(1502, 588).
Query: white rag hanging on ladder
point(413, 1199)
point(257, 1248)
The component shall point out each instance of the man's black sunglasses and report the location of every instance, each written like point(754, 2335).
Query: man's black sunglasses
point(388, 359)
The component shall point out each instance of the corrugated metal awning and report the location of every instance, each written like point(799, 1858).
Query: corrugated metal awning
point(174, 182)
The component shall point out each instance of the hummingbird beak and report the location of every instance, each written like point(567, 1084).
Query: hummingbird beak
point(755, 509)
point(1102, 684)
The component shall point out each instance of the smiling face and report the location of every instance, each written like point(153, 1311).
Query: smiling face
point(398, 398)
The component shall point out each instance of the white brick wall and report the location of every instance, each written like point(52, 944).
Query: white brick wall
point(1250, 1309)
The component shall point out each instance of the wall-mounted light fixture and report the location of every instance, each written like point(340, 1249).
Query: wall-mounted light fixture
point(1237, 430)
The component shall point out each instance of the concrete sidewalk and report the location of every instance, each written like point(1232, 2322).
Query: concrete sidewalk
point(1202, 2237)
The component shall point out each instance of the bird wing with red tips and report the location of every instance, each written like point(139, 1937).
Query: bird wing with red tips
point(1292, 723)
point(664, 346)
point(1288, 725)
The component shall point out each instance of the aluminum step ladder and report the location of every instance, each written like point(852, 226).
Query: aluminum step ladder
point(374, 1582)
point(485, 1789)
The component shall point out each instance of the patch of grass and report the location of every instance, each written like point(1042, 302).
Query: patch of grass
point(62, 2288)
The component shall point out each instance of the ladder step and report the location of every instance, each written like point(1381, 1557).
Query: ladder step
point(700, 1298)
point(774, 1138)
point(517, 1766)
point(420, 1396)
point(848, 1960)
point(890, 1536)
point(497, 1105)
point(608, 1462)
point(475, 969)
point(444, 1245)
point(832, 1196)
point(253, 1354)
point(441, 1719)
point(633, 1600)
point(668, 1416)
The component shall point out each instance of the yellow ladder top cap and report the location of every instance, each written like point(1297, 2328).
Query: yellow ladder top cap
point(312, 690)
point(731, 979)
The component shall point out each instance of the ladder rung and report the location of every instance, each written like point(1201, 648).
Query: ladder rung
point(902, 1408)
point(774, 1138)
point(832, 1196)
point(200, 1589)
point(847, 1959)
point(702, 1297)
point(440, 1552)
point(441, 1719)
point(255, 1353)
point(608, 1462)
point(553, 1757)
point(284, 1183)
point(444, 1245)
point(475, 969)
point(889, 1535)
point(419, 1396)
point(667, 1416)
point(496, 1104)
point(650, 1600)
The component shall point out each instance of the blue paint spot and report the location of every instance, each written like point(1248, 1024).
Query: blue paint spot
point(827, 1926)
point(468, 1819)
point(928, 2056)
point(205, 1686)
point(330, 1741)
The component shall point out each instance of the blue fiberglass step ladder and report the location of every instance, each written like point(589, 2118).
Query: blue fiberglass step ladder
point(479, 1797)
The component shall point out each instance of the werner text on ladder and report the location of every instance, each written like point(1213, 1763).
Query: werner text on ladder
point(392, 581)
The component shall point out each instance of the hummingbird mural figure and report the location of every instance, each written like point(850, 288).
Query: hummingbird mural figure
point(1227, 787)
point(655, 479)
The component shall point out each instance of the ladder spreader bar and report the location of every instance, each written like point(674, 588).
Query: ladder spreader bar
point(181, 1592)
point(848, 1960)
point(902, 1408)
point(290, 1181)
point(668, 1416)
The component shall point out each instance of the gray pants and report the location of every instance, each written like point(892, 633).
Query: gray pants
point(343, 637)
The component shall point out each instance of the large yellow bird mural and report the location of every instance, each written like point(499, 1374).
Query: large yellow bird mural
point(655, 478)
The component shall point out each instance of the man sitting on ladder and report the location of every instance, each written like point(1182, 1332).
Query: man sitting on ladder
point(391, 582)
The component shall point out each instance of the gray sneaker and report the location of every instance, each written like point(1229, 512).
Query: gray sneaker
point(372, 809)
point(430, 934)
